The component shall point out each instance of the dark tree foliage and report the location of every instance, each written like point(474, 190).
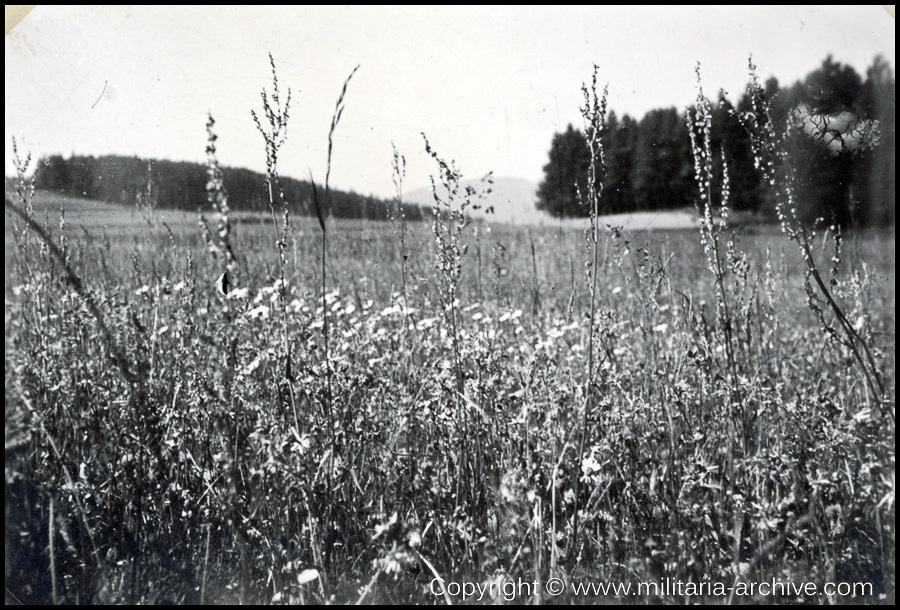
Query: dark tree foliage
point(648, 163)
point(565, 174)
point(876, 170)
point(618, 142)
point(825, 176)
point(55, 174)
point(664, 170)
point(841, 180)
point(182, 185)
point(730, 139)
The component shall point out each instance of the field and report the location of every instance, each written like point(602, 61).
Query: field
point(392, 444)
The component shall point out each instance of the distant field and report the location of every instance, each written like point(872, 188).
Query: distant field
point(90, 213)
point(438, 437)
point(353, 241)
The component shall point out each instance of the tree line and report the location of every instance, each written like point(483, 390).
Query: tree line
point(841, 151)
point(182, 185)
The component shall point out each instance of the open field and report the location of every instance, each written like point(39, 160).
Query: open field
point(234, 462)
point(643, 351)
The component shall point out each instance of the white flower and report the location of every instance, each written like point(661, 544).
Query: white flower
point(425, 323)
point(252, 366)
point(383, 527)
point(415, 539)
point(259, 312)
point(589, 465)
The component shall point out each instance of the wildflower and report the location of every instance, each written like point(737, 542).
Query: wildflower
point(589, 465)
point(259, 312)
point(239, 293)
point(425, 323)
point(252, 366)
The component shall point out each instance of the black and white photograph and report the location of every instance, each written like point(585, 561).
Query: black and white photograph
point(450, 304)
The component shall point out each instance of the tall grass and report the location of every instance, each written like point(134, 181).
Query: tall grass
point(594, 114)
point(398, 217)
point(305, 439)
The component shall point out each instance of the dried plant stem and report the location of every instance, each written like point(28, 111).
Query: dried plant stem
point(769, 153)
point(594, 113)
point(52, 555)
point(701, 146)
point(329, 373)
point(205, 566)
point(854, 342)
point(274, 134)
point(398, 165)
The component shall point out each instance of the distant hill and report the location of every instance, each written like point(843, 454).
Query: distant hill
point(513, 200)
point(181, 185)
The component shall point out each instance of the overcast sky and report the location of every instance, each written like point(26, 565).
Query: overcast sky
point(489, 86)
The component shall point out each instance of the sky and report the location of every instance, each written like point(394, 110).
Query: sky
point(489, 86)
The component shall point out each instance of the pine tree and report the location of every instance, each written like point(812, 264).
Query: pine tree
point(565, 174)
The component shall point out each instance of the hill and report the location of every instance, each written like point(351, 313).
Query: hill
point(182, 185)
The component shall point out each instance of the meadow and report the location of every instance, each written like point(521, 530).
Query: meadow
point(413, 405)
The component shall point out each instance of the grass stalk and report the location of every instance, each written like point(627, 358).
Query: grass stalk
point(594, 114)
